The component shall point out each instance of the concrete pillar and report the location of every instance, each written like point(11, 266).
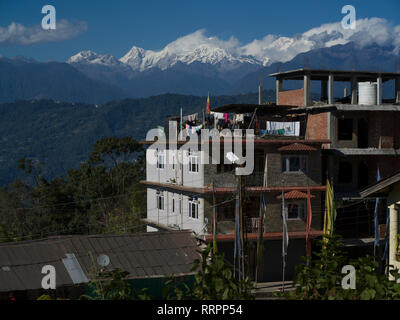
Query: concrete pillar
point(379, 90)
point(324, 90)
point(354, 90)
point(306, 90)
point(330, 89)
point(397, 89)
point(393, 230)
point(278, 89)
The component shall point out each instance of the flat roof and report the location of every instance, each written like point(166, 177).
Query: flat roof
point(342, 152)
point(339, 75)
point(344, 108)
point(250, 108)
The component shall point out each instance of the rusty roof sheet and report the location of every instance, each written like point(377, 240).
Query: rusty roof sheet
point(143, 255)
point(297, 147)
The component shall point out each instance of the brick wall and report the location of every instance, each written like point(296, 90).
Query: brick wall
point(291, 98)
point(316, 127)
point(383, 129)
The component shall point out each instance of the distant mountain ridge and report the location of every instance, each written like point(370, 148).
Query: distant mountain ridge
point(62, 134)
point(214, 70)
point(22, 78)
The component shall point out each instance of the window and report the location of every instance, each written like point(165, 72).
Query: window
point(173, 205)
point(193, 163)
point(160, 200)
point(345, 129)
point(160, 160)
point(193, 208)
point(345, 174)
point(294, 164)
point(295, 210)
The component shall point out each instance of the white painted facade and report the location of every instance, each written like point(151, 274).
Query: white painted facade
point(171, 207)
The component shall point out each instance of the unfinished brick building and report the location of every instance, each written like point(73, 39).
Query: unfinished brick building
point(364, 133)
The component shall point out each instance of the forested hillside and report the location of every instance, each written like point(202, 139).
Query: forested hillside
point(61, 135)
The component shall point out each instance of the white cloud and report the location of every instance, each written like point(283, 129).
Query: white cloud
point(19, 34)
point(198, 38)
point(368, 31)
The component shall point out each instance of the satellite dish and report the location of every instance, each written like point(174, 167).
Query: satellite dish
point(103, 260)
point(232, 157)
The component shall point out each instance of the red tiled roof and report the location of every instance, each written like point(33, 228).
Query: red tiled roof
point(295, 194)
point(297, 147)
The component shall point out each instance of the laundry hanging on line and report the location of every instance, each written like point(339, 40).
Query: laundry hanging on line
point(283, 128)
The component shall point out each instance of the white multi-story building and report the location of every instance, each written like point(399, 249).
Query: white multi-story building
point(174, 205)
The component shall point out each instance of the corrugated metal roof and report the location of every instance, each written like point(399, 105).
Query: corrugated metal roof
point(142, 255)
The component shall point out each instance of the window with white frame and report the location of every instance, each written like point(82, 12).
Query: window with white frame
point(160, 159)
point(160, 200)
point(193, 163)
point(193, 208)
point(295, 210)
point(294, 164)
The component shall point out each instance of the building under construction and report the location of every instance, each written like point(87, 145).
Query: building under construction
point(299, 143)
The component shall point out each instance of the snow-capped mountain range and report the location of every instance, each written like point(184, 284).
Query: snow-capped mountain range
point(139, 59)
point(227, 55)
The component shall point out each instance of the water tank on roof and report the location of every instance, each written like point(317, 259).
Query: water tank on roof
point(367, 93)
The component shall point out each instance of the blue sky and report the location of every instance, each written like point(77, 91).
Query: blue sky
point(115, 26)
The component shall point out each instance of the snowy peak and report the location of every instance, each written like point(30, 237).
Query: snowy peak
point(210, 55)
point(140, 59)
point(91, 57)
point(134, 57)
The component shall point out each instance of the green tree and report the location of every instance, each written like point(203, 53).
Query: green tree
point(214, 280)
point(320, 278)
point(102, 196)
